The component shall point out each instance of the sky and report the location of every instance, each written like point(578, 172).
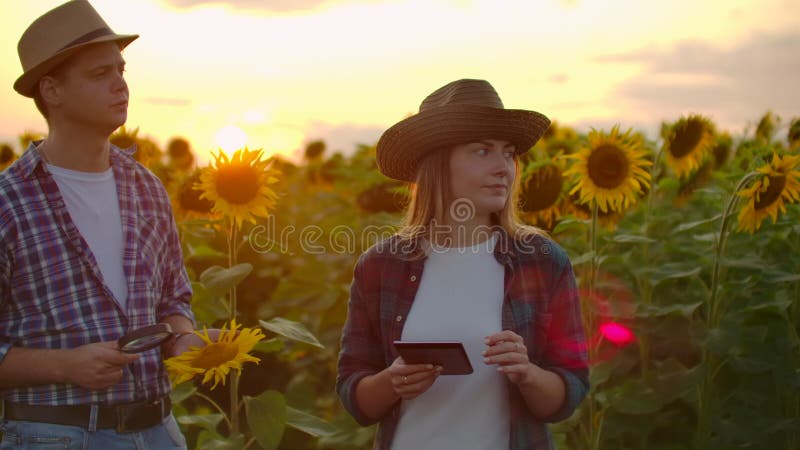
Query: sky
point(278, 74)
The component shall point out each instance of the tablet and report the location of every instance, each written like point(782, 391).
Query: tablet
point(450, 355)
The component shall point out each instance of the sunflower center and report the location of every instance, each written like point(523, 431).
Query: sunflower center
point(6, 153)
point(686, 138)
point(608, 166)
point(189, 197)
point(543, 189)
point(215, 354)
point(237, 183)
point(773, 192)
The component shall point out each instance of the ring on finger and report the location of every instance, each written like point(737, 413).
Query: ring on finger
point(516, 346)
point(405, 379)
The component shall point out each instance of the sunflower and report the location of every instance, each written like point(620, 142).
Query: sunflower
point(573, 207)
point(687, 144)
point(779, 185)
point(186, 198)
point(7, 156)
point(542, 193)
point(794, 134)
point(611, 170)
point(239, 186)
point(216, 358)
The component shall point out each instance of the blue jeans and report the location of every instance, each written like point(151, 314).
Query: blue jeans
point(18, 435)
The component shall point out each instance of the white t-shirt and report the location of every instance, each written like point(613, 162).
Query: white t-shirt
point(92, 203)
point(460, 298)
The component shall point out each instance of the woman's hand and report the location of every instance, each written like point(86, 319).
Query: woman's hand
point(508, 351)
point(411, 380)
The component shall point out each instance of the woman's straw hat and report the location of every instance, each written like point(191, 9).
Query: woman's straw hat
point(56, 35)
point(458, 113)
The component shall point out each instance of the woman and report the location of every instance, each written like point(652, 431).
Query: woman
point(463, 268)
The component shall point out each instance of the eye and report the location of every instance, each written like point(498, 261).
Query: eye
point(482, 151)
point(509, 153)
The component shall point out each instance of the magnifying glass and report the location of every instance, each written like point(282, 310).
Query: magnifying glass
point(145, 338)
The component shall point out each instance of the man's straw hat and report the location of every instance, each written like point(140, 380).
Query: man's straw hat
point(56, 35)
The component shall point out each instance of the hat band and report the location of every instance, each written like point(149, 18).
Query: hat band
point(88, 37)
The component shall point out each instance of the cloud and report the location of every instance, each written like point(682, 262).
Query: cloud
point(734, 86)
point(164, 101)
point(343, 137)
point(279, 6)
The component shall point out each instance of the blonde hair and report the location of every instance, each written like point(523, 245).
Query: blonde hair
point(431, 197)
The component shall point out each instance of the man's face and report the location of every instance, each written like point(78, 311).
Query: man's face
point(92, 93)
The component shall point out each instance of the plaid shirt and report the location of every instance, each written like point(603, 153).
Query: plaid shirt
point(52, 293)
point(540, 304)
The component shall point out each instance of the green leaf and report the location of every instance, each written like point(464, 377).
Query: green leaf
point(569, 225)
point(213, 441)
point(266, 415)
point(207, 308)
point(632, 239)
point(290, 329)
point(308, 423)
point(586, 257)
point(269, 346)
point(207, 421)
point(669, 272)
point(219, 280)
point(785, 278)
point(182, 391)
point(601, 372)
point(685, 310)
point(204, 251)
point(690, 225)
point(634, 397)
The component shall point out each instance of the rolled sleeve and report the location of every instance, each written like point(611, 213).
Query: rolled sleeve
point(360, 354)
point(566, 353)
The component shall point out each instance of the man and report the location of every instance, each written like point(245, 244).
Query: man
point(89, 252)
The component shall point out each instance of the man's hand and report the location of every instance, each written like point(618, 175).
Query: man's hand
point(96, 366)
point(186, 342)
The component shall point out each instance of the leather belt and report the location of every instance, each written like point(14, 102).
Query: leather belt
point(125, 418)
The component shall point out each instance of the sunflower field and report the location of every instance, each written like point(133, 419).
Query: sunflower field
point(686, 248)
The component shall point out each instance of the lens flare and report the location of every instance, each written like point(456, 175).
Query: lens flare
point(617, 334)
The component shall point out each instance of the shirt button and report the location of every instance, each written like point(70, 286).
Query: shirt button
point(413, 278)
point(399, 318)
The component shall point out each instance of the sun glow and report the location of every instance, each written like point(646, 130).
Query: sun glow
point(230, 138)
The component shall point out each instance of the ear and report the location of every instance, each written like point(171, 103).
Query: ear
point(50, 91)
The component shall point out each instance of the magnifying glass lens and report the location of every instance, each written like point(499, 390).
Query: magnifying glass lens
point(145, 338)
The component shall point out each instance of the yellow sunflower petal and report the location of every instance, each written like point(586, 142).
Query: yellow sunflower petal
point(768, 196)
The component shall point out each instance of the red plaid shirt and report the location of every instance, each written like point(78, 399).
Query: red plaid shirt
point(52, 293)
point(540, 304)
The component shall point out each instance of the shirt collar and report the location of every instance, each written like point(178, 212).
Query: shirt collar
point(32, 159)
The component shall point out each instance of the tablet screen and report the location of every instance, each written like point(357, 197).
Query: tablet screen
point(450, 355)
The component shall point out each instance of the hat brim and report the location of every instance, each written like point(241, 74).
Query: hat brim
point(26, 83)
point(402, 146)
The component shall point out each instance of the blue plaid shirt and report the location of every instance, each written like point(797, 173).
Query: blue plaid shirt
point(540, 304)
point(52, 293)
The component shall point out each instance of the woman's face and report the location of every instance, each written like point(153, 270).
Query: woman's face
point(483, 173)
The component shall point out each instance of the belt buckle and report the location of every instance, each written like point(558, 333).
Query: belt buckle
point(139, 416)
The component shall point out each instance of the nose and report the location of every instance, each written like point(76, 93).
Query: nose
point(119, 85)
point(500, 165)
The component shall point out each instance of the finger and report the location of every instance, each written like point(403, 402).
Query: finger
point(505, 335)
point(118, 358)
point(409, 369)
point(506, 347)
point(506, 358)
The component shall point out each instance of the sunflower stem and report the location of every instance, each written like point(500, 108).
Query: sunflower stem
point(594, 432)
point(215, 405)
point(712, 365)
point(232, 259)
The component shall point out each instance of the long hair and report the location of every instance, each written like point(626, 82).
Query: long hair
point(431, 197)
